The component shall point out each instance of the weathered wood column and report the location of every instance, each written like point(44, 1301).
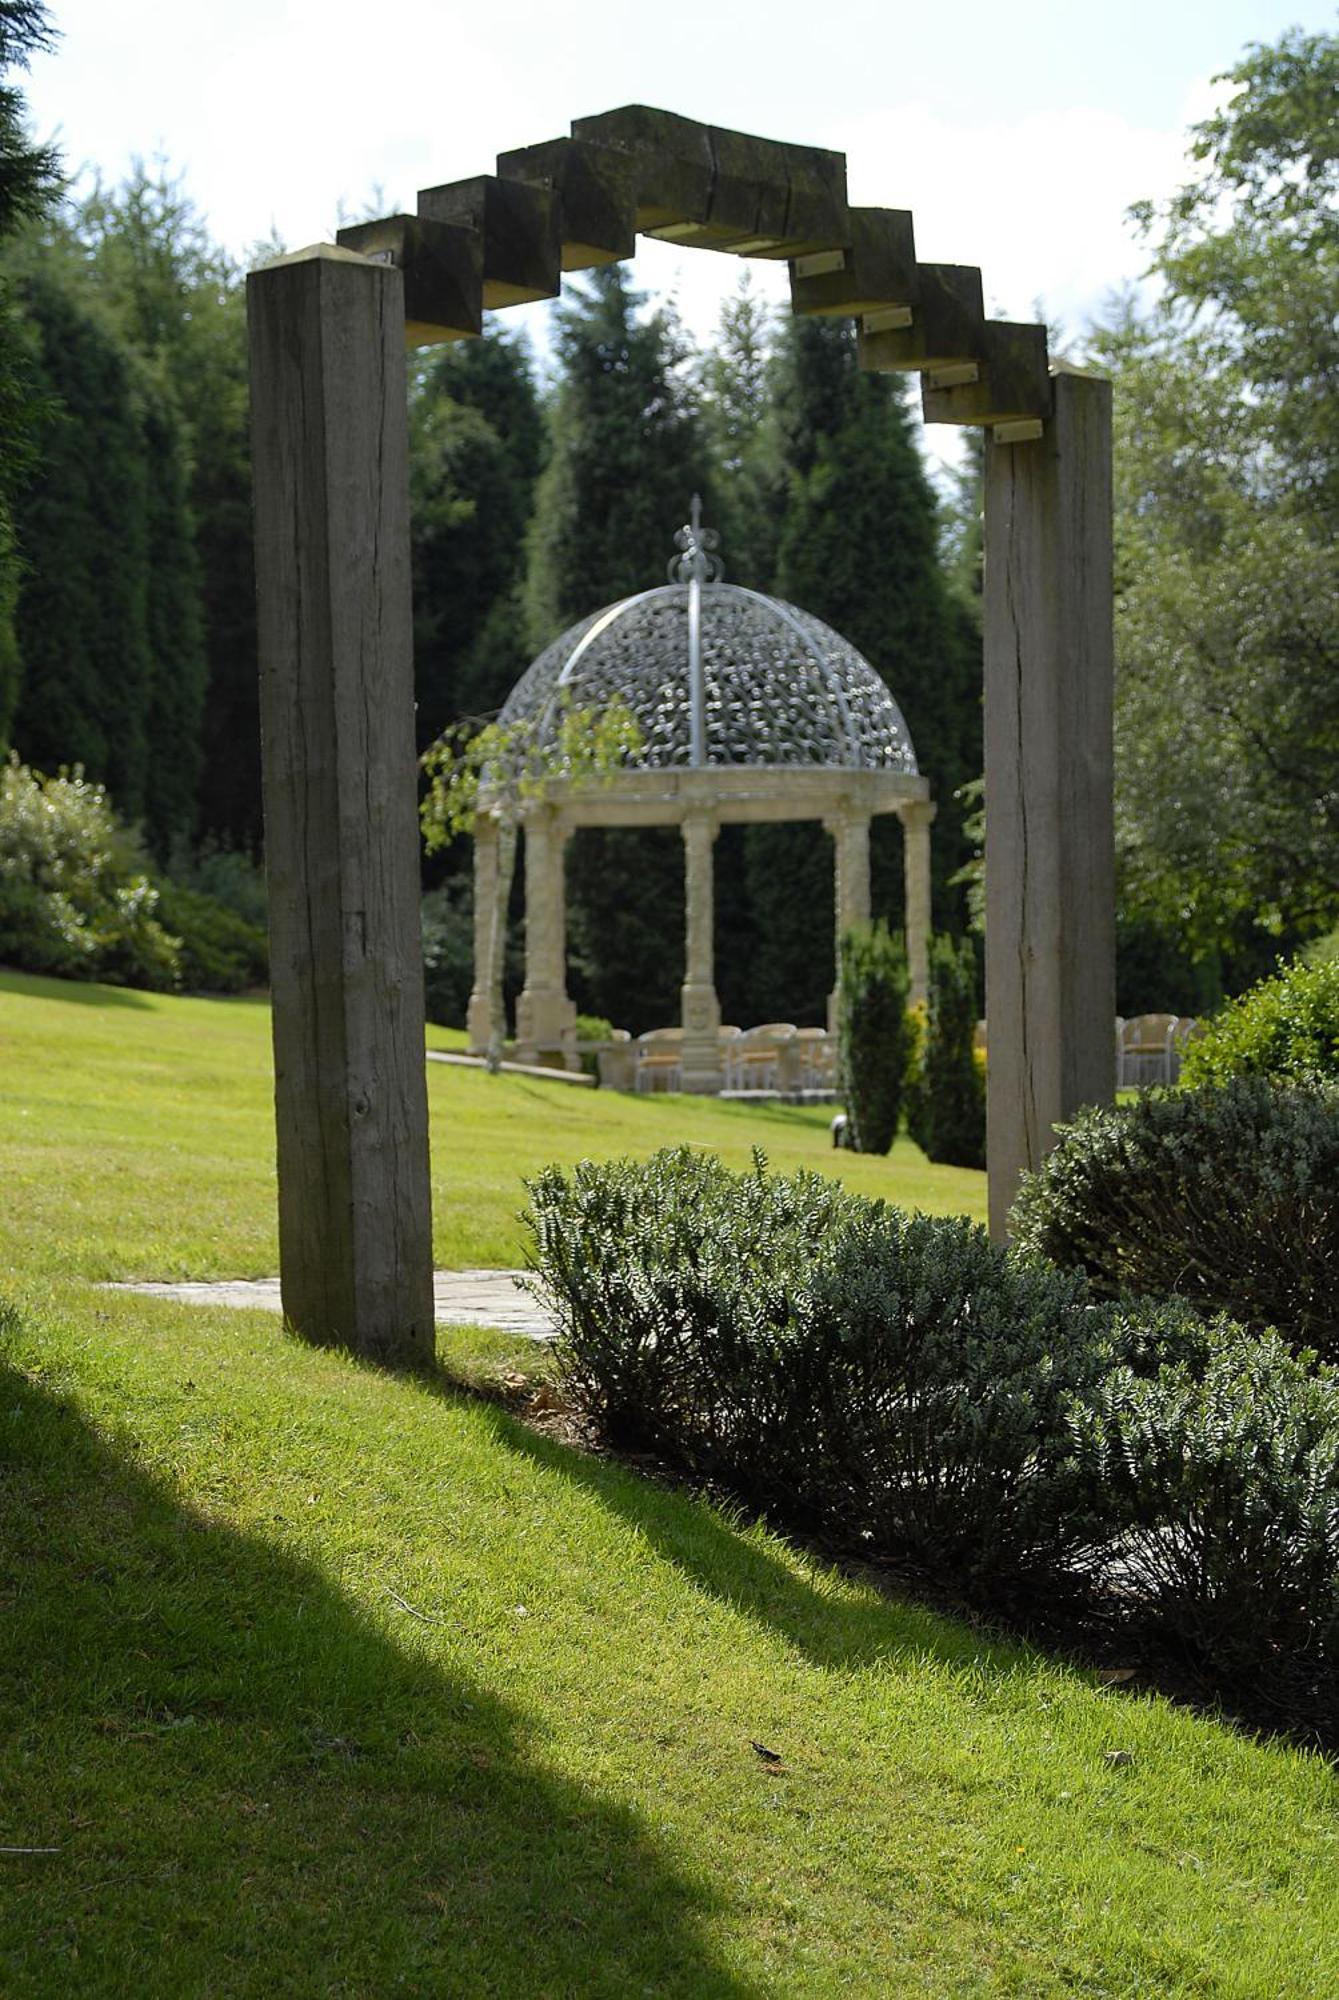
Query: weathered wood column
point(1050, 874)
point(917, 816)
point(700, 1008)
point(545, 1017)
point(851, 902)
point(330, 459)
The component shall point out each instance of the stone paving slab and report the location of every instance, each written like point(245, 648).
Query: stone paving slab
point(460, 1298)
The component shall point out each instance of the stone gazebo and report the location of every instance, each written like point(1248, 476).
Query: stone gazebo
point(748, 709)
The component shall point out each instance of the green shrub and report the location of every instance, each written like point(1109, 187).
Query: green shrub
point(1228, 1198)
point(448, 952)
point(1287, 1028)
point(898, 1381)
point(1226, 1481)
point(872, 1034)
point(75, 897)
point(947, 1109)
point(218, 951)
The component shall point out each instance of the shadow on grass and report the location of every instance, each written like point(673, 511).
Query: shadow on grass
point(254, 1791)
point(83, 993)
point(840, 1629)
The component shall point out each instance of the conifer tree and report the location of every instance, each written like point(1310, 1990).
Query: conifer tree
point(627, 452)
point(28, 183)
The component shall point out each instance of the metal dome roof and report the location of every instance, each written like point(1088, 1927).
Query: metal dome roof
point(717, 675)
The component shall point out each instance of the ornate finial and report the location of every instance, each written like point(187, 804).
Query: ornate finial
point(698, 561)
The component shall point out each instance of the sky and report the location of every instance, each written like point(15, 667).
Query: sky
point(1018, 134)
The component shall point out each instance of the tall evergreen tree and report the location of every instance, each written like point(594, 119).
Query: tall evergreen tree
point(177, 300)
point(82, 618)
point(627, 452)
point(737, 410)
point(860, 548)
point(28, 183)
point(476, 443)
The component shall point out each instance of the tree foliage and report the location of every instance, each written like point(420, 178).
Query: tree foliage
point(1228, 494)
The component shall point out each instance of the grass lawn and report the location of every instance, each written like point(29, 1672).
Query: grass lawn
point(327, 1682)
point(137, 1139)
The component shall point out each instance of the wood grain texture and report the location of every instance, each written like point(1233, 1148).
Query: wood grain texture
point(879, 268)
point(330, 468)
point(948, 323)
point(521, 227)
point(1050, 871)
point(442, 266)
point(597, 192)
point(1013, 382)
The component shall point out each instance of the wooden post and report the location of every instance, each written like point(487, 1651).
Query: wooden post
point(330, 458)
point(1050, 873)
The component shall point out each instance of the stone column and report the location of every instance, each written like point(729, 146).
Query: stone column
point(1050, 873)
point(329, 455)
point(545, 1017)
point(700, 1009)
point(917, 816)
point(479, 1021)
point(850, 837)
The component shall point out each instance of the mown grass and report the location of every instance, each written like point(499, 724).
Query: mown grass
point(137, 1138)
point(326, 1682)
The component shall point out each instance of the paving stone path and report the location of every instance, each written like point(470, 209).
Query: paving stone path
point(460, 1298)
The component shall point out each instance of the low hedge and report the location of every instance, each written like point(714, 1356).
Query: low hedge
point(1227, 1197)
point(919, 1396)
point(898, 1381)
point(1285, 1028)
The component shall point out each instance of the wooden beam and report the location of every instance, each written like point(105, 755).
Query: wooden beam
point(947, 326)
point(1012, 384)
point(521, 229)
point(714, 189)
point(673, 166)
point(877, 269)
point(596, 186)
point(442, 267)
point(330, 472)
point(1050, 872)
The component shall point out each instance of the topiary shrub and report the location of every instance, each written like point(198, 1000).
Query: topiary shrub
point(218, 951)
point(949, 1123)
point(1226, 1480)
point(1228, 1198)
point(872, 1034)
point(75, 898)
point(900, 1382)
point(1287, 1028)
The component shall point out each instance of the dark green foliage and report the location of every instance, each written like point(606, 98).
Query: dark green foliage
point(626, 924)
point(789, 884)
point(476, 441)
point(627, 453)
point(1227, 496)
point(898, 1382)
point(28, 183)
point(860, 548)
point(448, 951)
point(218, 951)
point(174, 709)
point(1223, 1480)
point(872, 1034)
point(1227, 1197)
point(950, 1086)
point(83, 523)
point(1287, 1028)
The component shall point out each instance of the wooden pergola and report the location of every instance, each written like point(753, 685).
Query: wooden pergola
point(328, 329)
